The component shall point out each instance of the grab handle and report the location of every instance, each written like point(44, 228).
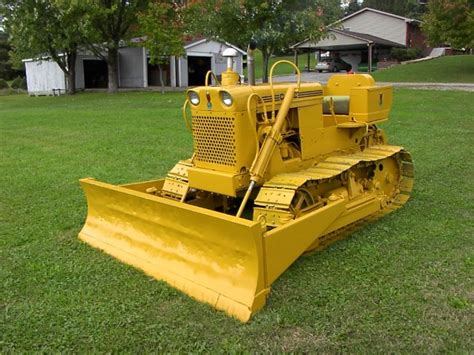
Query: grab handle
point(185, 117)
point(298, 73)
point(208, 74)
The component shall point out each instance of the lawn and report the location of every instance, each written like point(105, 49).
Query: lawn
point(402, 284)
point(450, 69)
point(282, 69)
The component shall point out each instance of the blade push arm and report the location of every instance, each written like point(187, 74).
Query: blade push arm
point(260, 164)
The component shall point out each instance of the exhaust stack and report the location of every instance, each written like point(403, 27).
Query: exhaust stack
point(251, 62)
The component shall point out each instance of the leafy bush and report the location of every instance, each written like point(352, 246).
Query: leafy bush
point(402, 54)
point(19, 83)
point(3, 84)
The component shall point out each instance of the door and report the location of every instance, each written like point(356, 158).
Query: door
point(197, 69)
point(95, 74)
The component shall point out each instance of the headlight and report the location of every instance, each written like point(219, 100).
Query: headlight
point(194, 98)
point(226, 98)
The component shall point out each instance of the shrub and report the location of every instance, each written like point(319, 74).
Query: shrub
point(3, 84)
point(19, 83)
point(402, 54)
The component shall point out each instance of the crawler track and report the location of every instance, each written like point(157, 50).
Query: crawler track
point(277, 195)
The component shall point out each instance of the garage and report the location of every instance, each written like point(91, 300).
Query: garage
point(201, 56)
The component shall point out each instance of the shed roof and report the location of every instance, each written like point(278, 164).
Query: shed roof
point(195, 42)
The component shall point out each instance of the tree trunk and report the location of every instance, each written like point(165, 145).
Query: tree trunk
point(161, 79)
point(112, 67)
point(266, 60)
point(71, 73)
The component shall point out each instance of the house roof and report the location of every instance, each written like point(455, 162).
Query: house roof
point(359, 40)
point(368, 38)
point(368, 9)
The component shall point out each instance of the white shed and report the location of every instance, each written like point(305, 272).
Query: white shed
point(44, 77)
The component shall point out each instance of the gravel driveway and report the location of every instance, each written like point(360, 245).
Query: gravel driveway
point(324, 77)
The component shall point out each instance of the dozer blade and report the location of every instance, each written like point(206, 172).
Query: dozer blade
point(211, 256)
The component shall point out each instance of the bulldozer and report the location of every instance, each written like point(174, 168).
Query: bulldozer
point(278, 170)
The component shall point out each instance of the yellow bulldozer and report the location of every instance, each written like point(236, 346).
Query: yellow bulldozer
point(278, 170)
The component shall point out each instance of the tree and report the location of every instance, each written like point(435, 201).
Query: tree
point(407, 8)
point(52, 29)
point(273, 24)
point(2, 16)
point(450, 22)
point(162, 30)
point(353, 6)
point(109, 23)
point(7, 71)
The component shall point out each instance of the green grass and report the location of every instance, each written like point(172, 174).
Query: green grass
point(402, 284)
point(281, 69)
point(449, 69)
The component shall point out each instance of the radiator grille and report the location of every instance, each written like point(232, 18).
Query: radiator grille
point(214, 139)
